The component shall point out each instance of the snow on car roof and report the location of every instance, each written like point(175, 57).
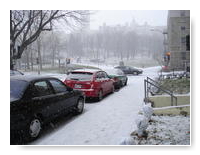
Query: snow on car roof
point(87, 70)
point(114, 71)
point(29, 78)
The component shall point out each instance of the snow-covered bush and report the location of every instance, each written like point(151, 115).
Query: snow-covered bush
point(142, 124)
point(128, 141)
point(143, 120)
point(147, 111)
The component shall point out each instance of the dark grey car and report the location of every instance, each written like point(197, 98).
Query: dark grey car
point(130, 70)
point(34, 101)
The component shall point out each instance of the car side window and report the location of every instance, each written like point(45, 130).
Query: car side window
point(122, 68)
point(41, 88)
point(98, 76)
point(58, 86)
point(104, 75)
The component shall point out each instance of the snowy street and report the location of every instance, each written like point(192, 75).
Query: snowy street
point(103, 123)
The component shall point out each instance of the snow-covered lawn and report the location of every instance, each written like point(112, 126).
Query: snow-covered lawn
point(166, 130)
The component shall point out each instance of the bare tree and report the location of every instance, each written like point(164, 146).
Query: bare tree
point(27, 25)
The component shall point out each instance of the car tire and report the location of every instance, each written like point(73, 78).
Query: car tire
point(113, 89)
point(34, 128)
point(100, 95)
point(80, 106)
point(125, 84)
point(121, 84)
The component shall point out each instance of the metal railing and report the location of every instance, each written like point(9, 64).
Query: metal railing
point(148, 83)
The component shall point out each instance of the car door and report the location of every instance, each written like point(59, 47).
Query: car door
point(105, 82)
point(64, 95)
point(128, 70)
point(43, 99)
point(98, 81)
point(108, 82)
point(121, 76)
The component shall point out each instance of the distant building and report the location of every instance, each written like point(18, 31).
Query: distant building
point(178, 30)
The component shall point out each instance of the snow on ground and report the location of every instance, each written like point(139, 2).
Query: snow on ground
point(107, 122)
point(104, 122)
point(166, 130)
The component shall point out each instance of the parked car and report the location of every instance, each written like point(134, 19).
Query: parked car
point(120, 79)
point(94, 83)
point(15, 72)
point(130, 70)
point(34, 101)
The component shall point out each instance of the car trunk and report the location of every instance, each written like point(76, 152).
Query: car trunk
point(79, 80)
point(75, 84)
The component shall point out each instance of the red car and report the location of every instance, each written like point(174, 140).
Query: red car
point(94, 83)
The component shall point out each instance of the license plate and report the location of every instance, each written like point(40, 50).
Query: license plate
point(77, 86)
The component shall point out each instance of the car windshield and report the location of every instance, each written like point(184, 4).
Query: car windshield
point(80, 76)
point(17, 88)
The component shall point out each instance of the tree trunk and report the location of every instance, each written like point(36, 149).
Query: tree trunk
point(53, 58)
point(27, 58)
point(31, 58)
point(39, 53)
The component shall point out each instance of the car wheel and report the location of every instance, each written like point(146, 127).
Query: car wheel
point(79, 106)
point(125, 83)
point(100, 95)
point(34, 128)
point(121, 84)
point(113, 89)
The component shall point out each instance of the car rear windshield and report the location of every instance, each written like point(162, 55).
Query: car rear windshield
point(80, 76)
point(17, 88)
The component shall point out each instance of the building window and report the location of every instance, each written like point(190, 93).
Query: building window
point(182, 13)
point(183, 28)
point(183, 54)
point(183, 40)
point(188, 42)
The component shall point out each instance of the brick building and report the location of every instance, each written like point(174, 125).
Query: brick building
point(178, 33)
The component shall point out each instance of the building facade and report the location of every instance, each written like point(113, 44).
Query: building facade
point(178, 33)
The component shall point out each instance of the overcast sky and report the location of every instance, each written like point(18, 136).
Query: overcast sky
point(112, 17)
